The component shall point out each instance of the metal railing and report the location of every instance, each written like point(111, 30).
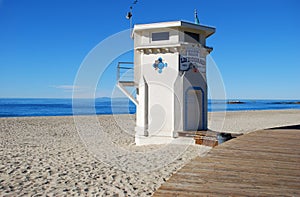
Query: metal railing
point(125, 72)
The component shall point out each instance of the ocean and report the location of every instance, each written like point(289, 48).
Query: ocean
point(63, 107)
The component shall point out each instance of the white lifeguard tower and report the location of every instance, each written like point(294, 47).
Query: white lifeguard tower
point(170, 80)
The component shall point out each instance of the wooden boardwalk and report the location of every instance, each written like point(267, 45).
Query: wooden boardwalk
point(262, 163)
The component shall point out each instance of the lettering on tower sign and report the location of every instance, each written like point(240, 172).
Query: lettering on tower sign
point(190, 59)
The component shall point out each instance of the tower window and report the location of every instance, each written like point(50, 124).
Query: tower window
point(160, 36)
point(191, 37)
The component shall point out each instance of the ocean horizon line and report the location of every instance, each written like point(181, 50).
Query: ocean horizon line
point(106, 97)
point(18, 107)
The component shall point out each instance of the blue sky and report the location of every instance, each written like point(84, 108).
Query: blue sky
point(42, 43)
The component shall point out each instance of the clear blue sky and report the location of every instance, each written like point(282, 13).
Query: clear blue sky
point(43, 42)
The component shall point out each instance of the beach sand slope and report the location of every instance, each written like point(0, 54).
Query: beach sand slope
point(46, 155)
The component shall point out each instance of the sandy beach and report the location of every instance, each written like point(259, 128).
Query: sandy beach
point(47, 155)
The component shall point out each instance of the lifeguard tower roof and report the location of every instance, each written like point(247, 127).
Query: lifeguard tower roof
point(207, 30)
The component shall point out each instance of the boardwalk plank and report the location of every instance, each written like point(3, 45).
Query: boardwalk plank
point(262, 163)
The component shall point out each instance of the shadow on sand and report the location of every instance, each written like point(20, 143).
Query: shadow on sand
point(292, 127)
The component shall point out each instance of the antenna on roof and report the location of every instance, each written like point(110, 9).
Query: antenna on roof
point(129, 14)
point(196, 18)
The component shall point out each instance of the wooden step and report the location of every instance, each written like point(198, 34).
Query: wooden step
point(206, 140)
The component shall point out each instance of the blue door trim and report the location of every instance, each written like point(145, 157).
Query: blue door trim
point(185, 110)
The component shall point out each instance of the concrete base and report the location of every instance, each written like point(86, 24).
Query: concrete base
point(141, 131)
point(143, 140)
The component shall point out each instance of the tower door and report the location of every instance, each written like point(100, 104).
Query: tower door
point(193, 110)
